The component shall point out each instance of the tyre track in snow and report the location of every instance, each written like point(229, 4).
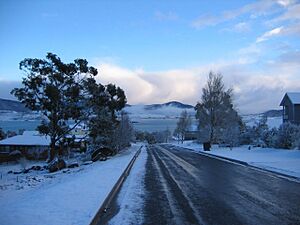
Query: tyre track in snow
point(255, 196)
point(205, 206)
point(173, 207)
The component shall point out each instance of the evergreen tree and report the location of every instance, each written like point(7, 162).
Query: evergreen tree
point(103, 103)
point(55, 89)
point(2, 134)
point(287, 136)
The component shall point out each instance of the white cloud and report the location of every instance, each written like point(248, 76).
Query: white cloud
point(256, 9)
point(269, 34)
point(165, 16)
point(252, 49)
point(137, 89)
point(241, 27)
point(286, 3)
point(290, 29)
point(206, 20)
point(291, 13)
point(255, 90)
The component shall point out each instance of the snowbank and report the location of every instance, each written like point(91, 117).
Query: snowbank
point(278, 160)
point(72, 198)
point(27, 138)
point(131, 196)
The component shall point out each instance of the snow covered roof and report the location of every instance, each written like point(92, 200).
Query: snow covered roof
point(293, 96)
point(28, 138)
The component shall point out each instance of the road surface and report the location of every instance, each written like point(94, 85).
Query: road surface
point(183, 187)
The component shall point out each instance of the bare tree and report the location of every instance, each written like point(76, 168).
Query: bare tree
point(183, 124)
point(215, 111)
point(124, 133)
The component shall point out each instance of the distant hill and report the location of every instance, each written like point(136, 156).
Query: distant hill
point(11, 105)
point(174, 104)
point(273, 113)
point(166, 110)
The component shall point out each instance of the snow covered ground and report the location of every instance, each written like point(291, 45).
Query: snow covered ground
point(253, 119)
point(71, 196)
point(278, 160)
point(131, 196)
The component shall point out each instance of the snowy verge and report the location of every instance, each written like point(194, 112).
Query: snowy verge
point(278, 160)
point(72, 198)
point(131, 196)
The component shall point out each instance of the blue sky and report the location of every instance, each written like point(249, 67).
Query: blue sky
point(162, 50)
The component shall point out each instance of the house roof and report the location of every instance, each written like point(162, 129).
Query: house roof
point(28, 138)
point(293, 96)
point(33, 138)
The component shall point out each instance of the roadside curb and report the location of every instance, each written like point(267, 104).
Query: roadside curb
point(278, 174)
point(114, 191)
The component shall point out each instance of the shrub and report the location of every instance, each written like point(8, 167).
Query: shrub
point(287, 136)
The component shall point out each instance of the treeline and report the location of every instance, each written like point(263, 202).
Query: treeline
point(286, 136)
point(220, 123)
point(153, 137)
point(9, 133)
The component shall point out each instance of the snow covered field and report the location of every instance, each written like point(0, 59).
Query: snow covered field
point(70, 196)
point(278, 160)
point(253, 119)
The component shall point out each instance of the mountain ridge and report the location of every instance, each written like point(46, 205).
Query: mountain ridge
point(175, 104)
point(12, 105)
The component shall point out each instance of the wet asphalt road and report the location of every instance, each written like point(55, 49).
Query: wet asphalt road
point(183, 187)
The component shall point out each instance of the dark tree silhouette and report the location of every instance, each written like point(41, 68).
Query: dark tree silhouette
point(56, 90)
point(103, 102)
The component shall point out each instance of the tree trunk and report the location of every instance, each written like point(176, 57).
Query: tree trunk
point(52, 152)
point(211, 135)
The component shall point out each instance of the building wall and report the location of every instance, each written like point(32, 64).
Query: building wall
point(29, 151)
point(291, 112)
point(297, 114)
point(288, 111)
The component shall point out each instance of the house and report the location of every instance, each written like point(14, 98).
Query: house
point(191, 133)
point(34, 145)
point(31, 144)
point(291, 107)
point(80, 130)
point(77, 137)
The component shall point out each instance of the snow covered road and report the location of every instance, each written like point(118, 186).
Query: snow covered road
point(183, 187)
point(284, 161)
